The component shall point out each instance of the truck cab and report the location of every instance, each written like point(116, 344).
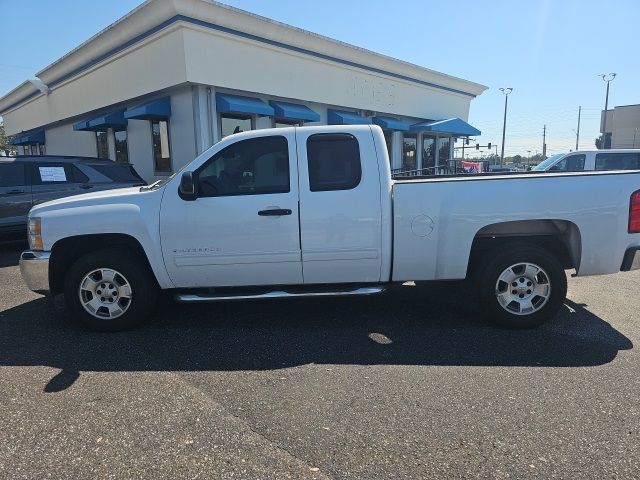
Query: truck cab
point(581, 160)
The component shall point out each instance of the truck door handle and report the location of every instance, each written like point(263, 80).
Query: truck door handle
point(86, 187)
point(15, 192)
point(274, 212)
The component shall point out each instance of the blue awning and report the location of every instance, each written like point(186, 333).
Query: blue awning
point(246, 105)
point(154, 110)
point(294, 111)
point(391, 123)
point(29, 139)
point(101, 123)
point(451, 126)
point(337, 117)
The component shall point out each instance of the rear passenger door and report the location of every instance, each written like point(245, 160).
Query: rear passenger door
point(15, 194)
point(340, 211)
point(52, 180)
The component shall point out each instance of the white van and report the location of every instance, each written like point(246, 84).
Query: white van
point(618, 159)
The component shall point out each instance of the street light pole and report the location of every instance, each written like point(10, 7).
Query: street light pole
point(606, 78)
point(506, 92)
point(578, 131)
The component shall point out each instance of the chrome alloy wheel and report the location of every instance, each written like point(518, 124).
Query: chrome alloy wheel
point(105, 293)
point(523, 289)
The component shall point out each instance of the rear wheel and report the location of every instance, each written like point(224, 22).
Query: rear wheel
point(522, 286)
point(110, 290)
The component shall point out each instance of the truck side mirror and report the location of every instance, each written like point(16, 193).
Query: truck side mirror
point(187, 190)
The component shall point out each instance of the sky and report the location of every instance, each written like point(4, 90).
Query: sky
point(549, 51)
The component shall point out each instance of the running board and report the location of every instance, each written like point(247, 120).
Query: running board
point(191, 297)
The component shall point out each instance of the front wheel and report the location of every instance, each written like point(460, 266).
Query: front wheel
point(521, 287)
point(109, 290)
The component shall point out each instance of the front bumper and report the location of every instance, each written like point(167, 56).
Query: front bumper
point(631, 260)
point(34, 267)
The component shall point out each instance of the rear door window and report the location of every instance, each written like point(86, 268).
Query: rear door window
point(617, 161)
point(57, 173)
point(118, 173)
point(12, 175)
point(334, 162)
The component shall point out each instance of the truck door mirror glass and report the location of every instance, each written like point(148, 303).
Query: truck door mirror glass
point(187, 188)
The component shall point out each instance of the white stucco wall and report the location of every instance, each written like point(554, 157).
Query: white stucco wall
point(63, 140)
point(225, 61)
point(152, 65)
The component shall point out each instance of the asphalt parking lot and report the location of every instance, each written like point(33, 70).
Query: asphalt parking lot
point(411, 384)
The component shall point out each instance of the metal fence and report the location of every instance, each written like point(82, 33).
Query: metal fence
point(450, 167)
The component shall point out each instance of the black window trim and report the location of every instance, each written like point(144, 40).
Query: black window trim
point(196, 172)
point(334, 134)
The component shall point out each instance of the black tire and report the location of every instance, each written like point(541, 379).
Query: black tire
point(144, 290)
point(497, 261)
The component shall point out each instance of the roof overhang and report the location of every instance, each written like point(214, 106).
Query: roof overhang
point(102, 123)
point(391, 123)
point(155, 110)
point(294, 111)
point(32, 138)
point(453, 126)
point(338, 117)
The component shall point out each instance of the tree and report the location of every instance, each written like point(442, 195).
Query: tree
point(4, 147)
point(607, 143)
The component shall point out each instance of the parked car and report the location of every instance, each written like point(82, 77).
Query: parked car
point(313, 211)
point(618, 159)
point(26, 181)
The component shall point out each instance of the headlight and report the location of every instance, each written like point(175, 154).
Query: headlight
point(35, 233)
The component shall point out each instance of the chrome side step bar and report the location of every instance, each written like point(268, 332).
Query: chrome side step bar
point(191, 297)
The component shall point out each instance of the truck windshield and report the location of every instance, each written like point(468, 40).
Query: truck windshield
point(545, 164)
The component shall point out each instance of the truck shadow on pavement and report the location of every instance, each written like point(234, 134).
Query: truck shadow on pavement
point(407, 326)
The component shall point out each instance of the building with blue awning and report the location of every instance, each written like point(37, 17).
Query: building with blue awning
point(170, 79)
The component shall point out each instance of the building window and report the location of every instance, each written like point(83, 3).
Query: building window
point(444, 154)
point(41, 149)
point(428, 153)
point(333, 162)
point(102, 145)
point(409, 148)
point(232, 124)
point(122, 153)
point(161, 147)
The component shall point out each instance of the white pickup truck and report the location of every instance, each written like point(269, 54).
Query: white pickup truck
point(313, 211)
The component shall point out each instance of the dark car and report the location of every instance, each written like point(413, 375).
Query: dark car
point(26, 181)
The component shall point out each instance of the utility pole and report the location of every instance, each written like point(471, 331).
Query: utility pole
point(544, 142)
point(635, 132)
point(506, 92)
point(578, 131)
point(606, 78)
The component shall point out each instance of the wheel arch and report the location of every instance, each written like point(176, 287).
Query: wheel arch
point(66, 251)
point(560, 237)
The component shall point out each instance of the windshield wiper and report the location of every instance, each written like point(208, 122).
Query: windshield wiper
point(152, 186)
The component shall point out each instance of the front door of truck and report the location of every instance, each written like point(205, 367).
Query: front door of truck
point(243, 228)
